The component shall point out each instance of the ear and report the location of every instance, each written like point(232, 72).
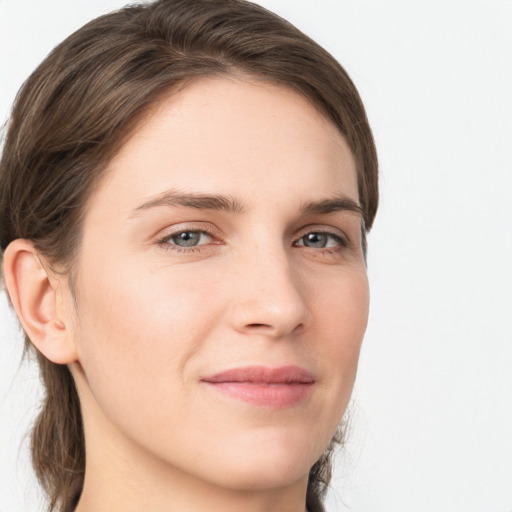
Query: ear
point(37, 297)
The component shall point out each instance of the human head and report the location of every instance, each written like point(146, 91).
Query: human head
point(77, 109)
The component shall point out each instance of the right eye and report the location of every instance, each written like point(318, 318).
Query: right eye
point(187, 238)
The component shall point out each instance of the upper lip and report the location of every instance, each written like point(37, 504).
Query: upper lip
point(289, 374)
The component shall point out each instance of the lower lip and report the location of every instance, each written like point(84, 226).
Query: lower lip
point(272, 396)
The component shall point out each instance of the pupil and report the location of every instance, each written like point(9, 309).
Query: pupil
point(186, 239)
point(318, 240)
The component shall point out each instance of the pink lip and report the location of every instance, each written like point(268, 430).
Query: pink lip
point(273, 388)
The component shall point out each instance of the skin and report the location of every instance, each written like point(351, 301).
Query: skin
point(153, 318)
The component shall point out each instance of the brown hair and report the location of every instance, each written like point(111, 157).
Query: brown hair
point(75, 111)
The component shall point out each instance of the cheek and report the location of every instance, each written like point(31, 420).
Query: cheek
point(137, 334)
point(342, 316)
point(342, 308)
point(138, 306)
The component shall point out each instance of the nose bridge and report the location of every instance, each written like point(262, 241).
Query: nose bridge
point(270, 296)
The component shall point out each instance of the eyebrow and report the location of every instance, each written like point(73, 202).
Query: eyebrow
point(230, 204)
point(200, 201)
point(331, 205)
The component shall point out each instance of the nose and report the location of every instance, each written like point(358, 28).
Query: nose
point(269, 296)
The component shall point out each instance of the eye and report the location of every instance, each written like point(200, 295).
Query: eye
point(188, 238)
point(321, 240)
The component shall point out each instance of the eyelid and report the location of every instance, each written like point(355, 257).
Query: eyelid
point(163, 239)
point(196, 226)
point(328, 230)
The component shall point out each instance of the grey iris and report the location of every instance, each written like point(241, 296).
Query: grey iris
point(186, 239)
point(316, 240)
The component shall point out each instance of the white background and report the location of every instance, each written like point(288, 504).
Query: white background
point(432, 420)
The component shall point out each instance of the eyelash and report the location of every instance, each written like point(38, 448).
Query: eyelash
point(164, 241)
point(342, 242)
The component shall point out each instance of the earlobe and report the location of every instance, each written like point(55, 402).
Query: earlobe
point(34, 294)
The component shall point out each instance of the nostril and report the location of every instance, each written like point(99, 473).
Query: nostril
point(270, 329)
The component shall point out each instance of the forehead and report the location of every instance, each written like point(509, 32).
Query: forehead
point(238, 137)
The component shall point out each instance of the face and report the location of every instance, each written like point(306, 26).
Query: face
point(222, 293)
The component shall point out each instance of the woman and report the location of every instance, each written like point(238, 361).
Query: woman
point(185, 188)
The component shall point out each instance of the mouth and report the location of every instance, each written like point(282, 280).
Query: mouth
point(273, 388)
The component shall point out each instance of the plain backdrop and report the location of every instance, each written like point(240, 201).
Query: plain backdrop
point(432, 413)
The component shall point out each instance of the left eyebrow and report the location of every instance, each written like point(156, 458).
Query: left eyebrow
point(335, 204)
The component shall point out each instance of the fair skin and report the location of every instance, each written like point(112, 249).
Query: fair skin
point(174, 290)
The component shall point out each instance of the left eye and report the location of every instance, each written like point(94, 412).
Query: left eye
point(319, 240)
point(189, 238)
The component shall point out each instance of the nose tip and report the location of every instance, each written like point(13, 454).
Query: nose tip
point(270, 302)
point(260, 316)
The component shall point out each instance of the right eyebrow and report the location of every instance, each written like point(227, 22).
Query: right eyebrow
point(172, 198)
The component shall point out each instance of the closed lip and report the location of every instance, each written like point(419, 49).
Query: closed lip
point(289, 374)
point(271, 388)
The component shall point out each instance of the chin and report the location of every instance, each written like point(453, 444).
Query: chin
point(264, 477)
point(271, 463)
